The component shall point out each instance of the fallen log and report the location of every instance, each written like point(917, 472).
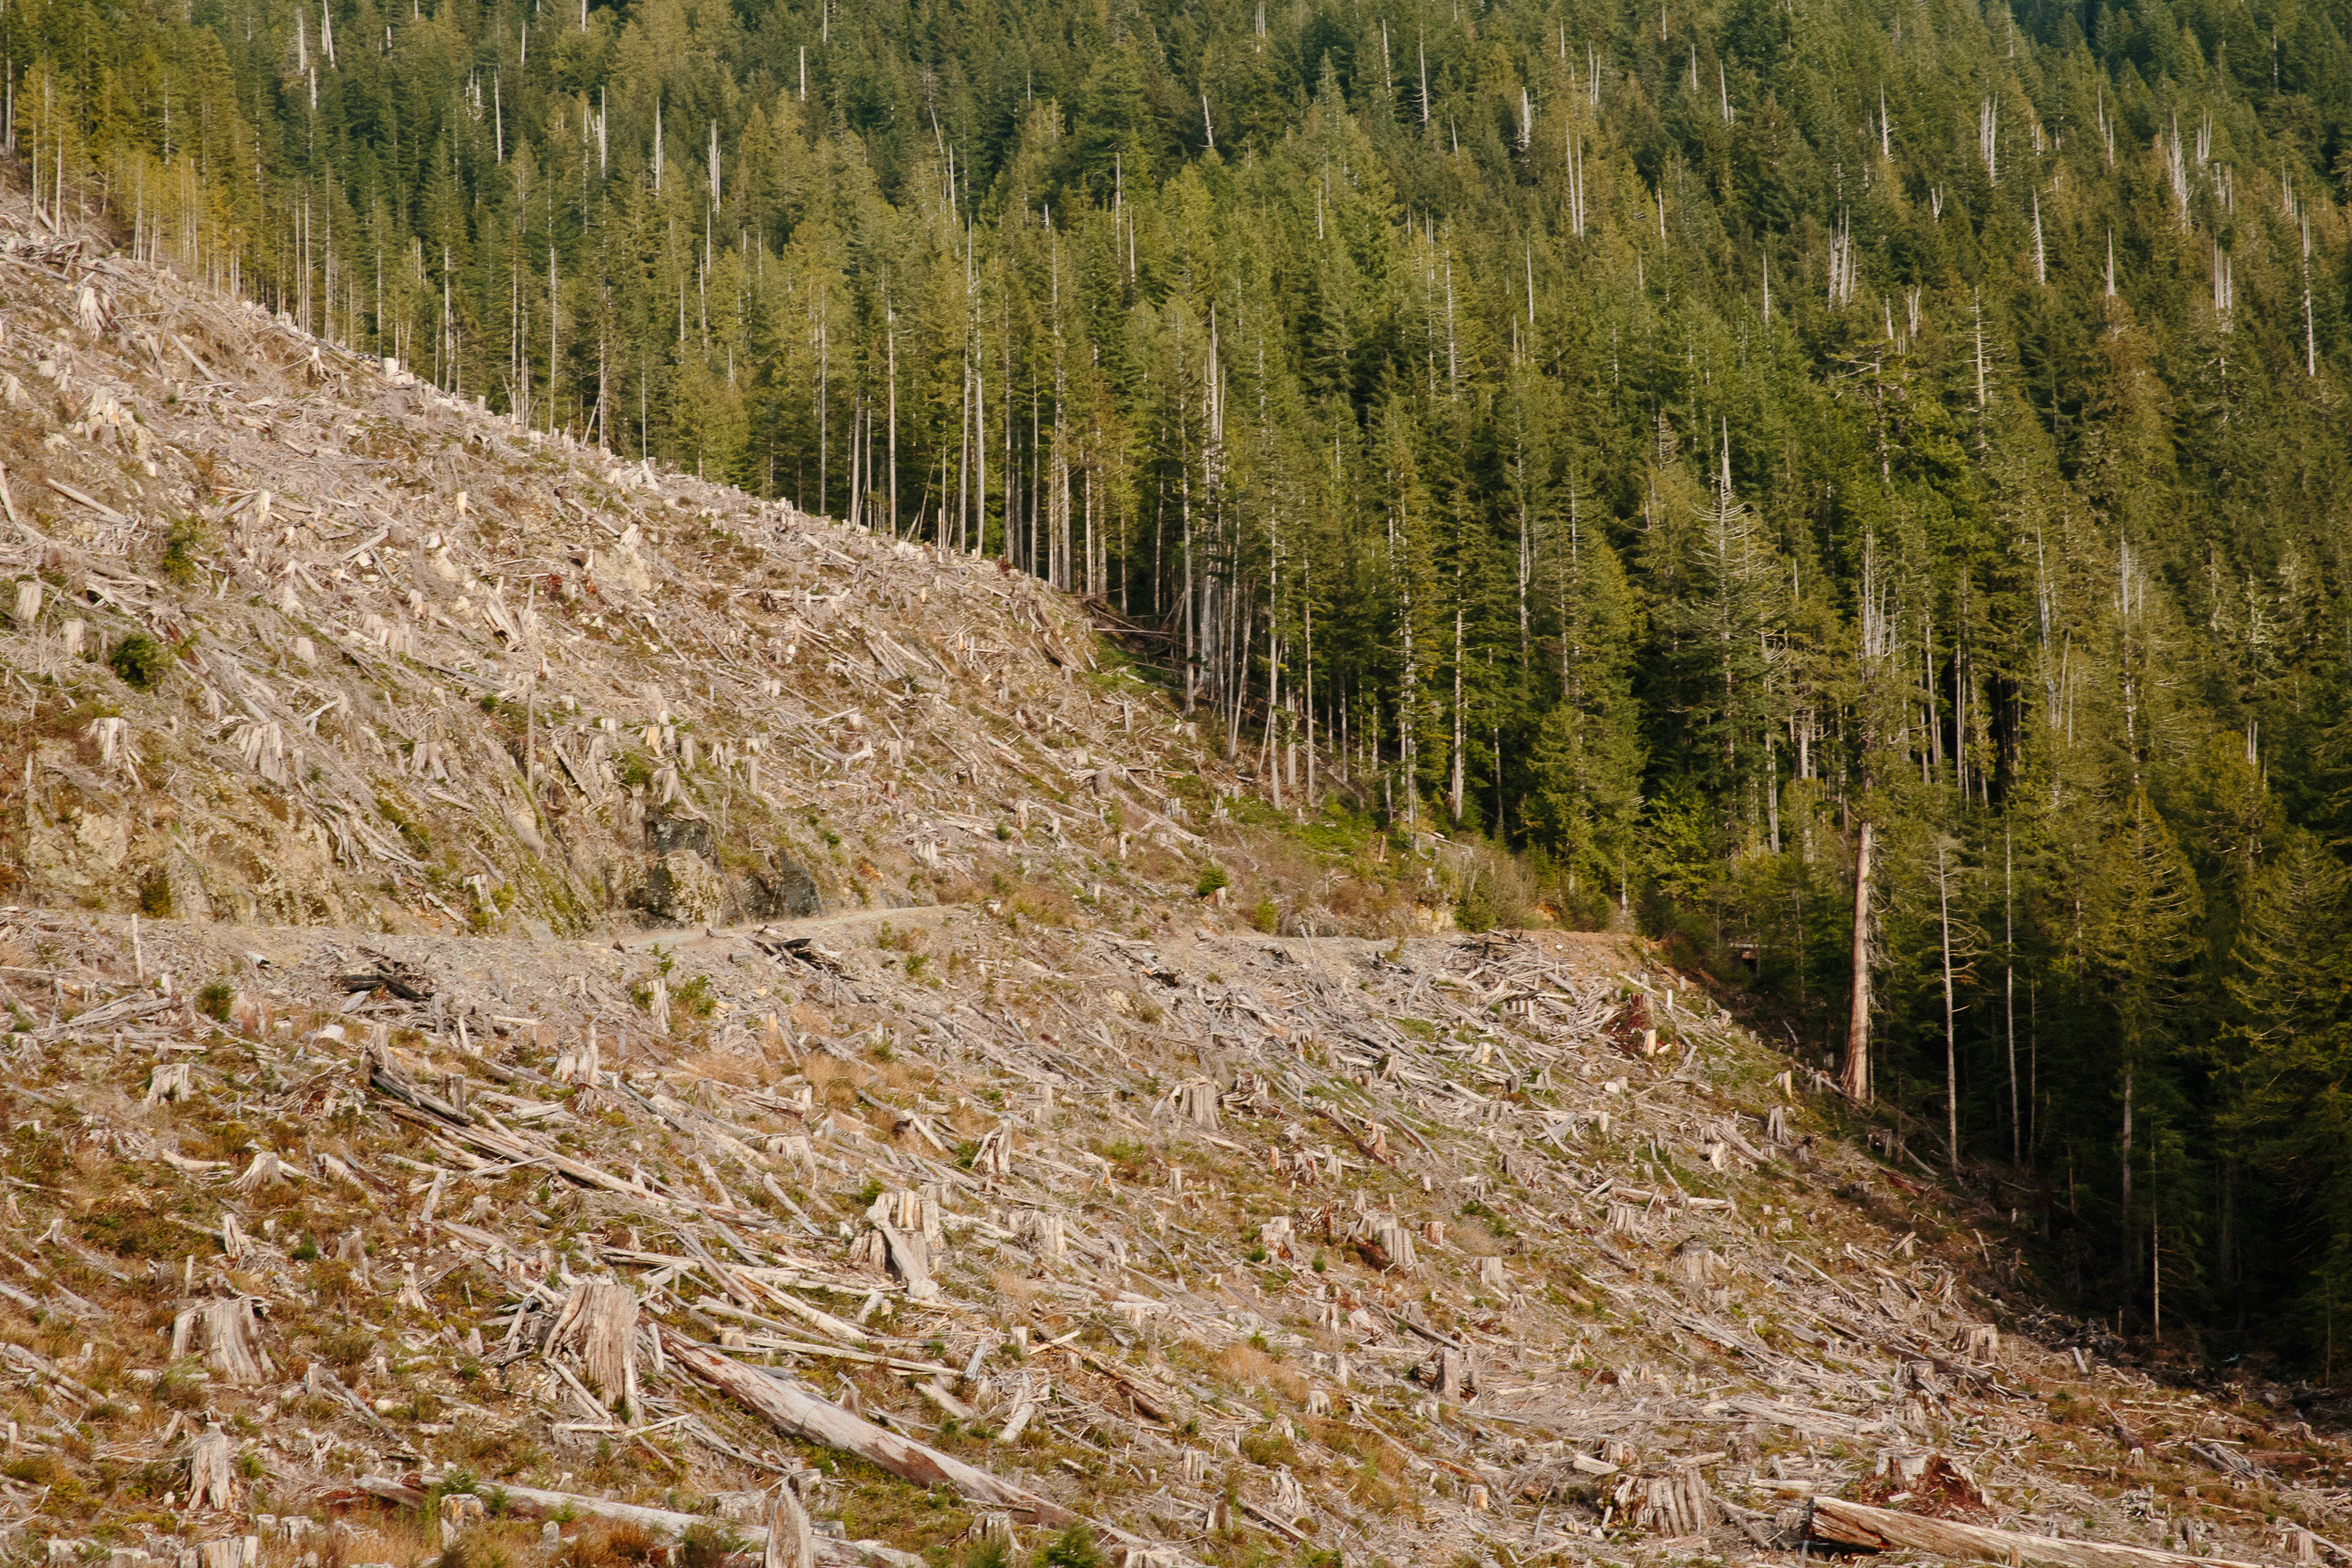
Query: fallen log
point(1153, 1403)
point(1836, 1522)
point(531, 1502)
point(797, 1413)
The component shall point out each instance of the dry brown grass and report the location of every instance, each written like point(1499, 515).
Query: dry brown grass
point(1247, 1365)
point(903, 1073)
point(1476, 1241)
point(1369, 907)
point(1043, 904)
point(722, 1067)
point(382, 1538)
point(836, 1081)
point(608, 1545)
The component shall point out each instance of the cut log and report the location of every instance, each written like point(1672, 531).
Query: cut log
point(170, 1081)
point(1858, 1525)
point(1679, 1504)
point(1454, 1381)
point(266, 1171)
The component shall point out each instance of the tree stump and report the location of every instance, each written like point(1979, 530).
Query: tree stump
point(599, 1321)
point(208, 1470)
point(230, 1339)
point(791, 1544)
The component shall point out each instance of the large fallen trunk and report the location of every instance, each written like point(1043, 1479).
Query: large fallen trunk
point(531, 1502)
point(795, 1411)
point(1838, 1523)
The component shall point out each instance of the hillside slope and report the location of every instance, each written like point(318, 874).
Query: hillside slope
point(1053, 1195)
point(395, 663)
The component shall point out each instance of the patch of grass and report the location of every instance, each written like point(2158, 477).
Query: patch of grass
point(130, 1227)
point(471, 1552)
point(413, 832)
point(1125, 1153)
point(179, 1391)
point(348, 1347)
point(707, 1547)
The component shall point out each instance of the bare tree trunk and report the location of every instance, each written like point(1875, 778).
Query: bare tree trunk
point(2009, 987)
point(1854, 1075)
point(1454, 794)
point(1951, 1047)
point(2127, 1144)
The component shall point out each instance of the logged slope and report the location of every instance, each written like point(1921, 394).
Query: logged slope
point(379, 659)
point(1052, 1201)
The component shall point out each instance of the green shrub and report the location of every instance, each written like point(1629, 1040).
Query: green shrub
point(694, 996)
point(140, 662)
point(1073, 1548)
point(155, 895)
point(180, 546)
point(1211, 878)
point(214, 1001)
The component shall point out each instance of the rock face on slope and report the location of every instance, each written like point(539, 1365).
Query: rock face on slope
point(561, 1014)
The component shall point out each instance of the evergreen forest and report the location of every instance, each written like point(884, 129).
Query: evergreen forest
point(1747, 457)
